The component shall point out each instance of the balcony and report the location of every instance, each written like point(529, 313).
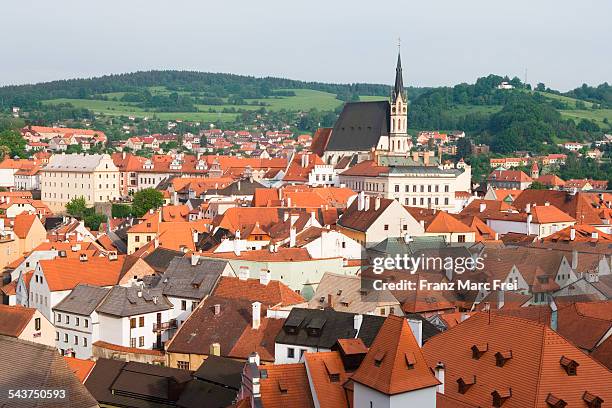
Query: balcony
point(169, 325)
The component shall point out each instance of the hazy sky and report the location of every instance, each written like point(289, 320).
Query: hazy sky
point(561, 42)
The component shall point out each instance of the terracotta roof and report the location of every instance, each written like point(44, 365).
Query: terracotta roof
point(259, 340)
point(582, 233)
point(361, 220)
point(550, 180)
point(603, 353)
point(22, 224)
point(585, 323)
point(320, 140)
point(264, 255)
point(297, 172)
point(352, 346)
point(443, 222)
point(508, 175)
point(366, 168)
point(274, 293)
point(534, 368)
point(327, 376)
point(123, 349)
point(66, 273)
point(577, 205)
point(80, 368)
point(394, 363)
point(285, 385)
point(14, 319)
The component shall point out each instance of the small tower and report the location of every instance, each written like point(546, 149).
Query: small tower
point(535, 170)
point(398, 121)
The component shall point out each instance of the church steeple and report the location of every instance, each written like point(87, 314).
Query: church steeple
point(398, 89)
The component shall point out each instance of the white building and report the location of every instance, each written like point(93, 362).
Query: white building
point(76, 321)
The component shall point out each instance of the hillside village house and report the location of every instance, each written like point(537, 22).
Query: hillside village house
point(76, 321)
point(370, 220)
point(26, 324)
point(540, 220)
point(25, 233)
point(67, 176)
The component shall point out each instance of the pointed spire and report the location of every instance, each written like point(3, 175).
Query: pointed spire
point(398, 89)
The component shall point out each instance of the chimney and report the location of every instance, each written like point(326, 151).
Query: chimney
point(313, 218)
point(83, 257)
point(254, 358)
point(76, 247)
point(360, 200)
point(572, 234)
point(217, 309)
point(357, 320)
point(574, 260)
point(194, 259)
point(529, 218)
point(482, 207)
point(440, 371)
point(330, 300)
point(366, 206)
point(553, 314)
point(292, 237)
point(376, 203)
point(243, 273)
point(112, 256)
point(237, 243)
point(265, 276)
point(289, 202)
point(415, 156)
point(501, 299)
point(195, 237)
point(426, 158)
point(256, 315)
point(156, 242)
point(215, 349)
point(595, 235)
point(416, 326)
point(547, 203)
point(139, 293)
point(285, 216)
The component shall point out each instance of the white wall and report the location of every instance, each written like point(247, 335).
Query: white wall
point(334, 244)
point(365, 397)
point(281, 350)
point(66, 324)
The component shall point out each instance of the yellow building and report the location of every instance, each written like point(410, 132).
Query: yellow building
point(67, 176)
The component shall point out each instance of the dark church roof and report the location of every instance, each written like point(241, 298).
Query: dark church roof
point(360, 126)
point(399, 81)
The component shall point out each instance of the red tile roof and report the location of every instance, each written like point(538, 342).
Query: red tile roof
point(532, 373)
point(22, 224)
point(80, 368)
point(66, 273)
point(394, 363)
point(285, 385)
point(327, 376)
point(274, 293)
point(14, 319)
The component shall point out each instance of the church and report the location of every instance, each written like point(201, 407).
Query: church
point(366, 126)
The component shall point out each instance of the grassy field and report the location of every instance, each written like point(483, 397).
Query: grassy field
point(597, 115)
point(304, 99)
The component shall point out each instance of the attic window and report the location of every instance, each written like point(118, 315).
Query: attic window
point(410, 360)
point(378, 358)
point(499, 397)
point(555, 402)
point(332, 372)
point(502, 357)
point(282, 387)
point(464, 385)
point(339, 292)
point(592, 401)
point(478, 350)
point(570, 366)
point(322, 299)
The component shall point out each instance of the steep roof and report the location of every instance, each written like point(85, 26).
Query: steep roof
point(23, 223)
point(321, 368)
point(285, 385)
point(575, 205)
point(273, 293)
point(125, 302)
point(361, 220)
point(394, 363)
point(13, 319)
point(185, 280)
point(443, 222)
point(81, 368)
point(533, 356)
point(360, 126)
point(66, 273)
point(45, 369)
point(83, 300)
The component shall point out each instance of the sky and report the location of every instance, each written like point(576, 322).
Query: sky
point(562, 43)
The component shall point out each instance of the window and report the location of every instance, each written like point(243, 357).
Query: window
point(141, 341)
point(133, 323)
point(461, 238)
point(67, 319)
point(59, 317)
point(397, 188)
point(422, 188)
point(76, 340)
point(445, 200)
point(141, 321)
point(65, 337)
point(86, 323)
point(194, 305)
point(183, 365)
point(85, 341)
point(386, 227)
point(183, 305)
point(446, 188)
point(137, 238)
point(56, 336)
point(76, 321)
point(133, 342)
point(37, 323)
point(290, 352)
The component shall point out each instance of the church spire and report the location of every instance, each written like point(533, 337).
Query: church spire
point(398, 89)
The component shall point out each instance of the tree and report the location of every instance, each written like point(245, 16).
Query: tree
point(77, 207)
point(14, 141)
point(464, 147)
point(145, 200)
point(541, 87)
point(93, 221)
point(121, 210)
point(536, 185)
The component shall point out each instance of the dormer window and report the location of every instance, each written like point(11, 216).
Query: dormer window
point(332, 372)
point(570, 366)
point(501, 357)
point(592, 400)
point(378, 358)
point(465, 384)
point(478, 350)
point(555, 402)
point(282, 387)
point(410, 360)
point(501, 396)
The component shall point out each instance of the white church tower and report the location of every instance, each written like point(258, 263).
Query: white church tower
point(398, 123)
